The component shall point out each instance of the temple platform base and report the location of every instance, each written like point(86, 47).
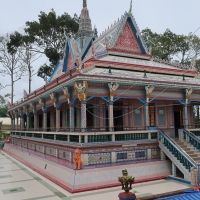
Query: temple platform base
point(89, 179)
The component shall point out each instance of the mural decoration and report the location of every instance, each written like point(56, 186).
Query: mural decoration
point(127, 41)
point(113, 88)
point(81, 90)
point(149, 89)
point(78, 162)
point(41, 103)
point(188, 94)
point(66, 93)
point(53, 99)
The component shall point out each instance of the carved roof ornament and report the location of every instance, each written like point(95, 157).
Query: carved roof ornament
point(24, 109)
point(131, 5)
point(53, 99)
point(188, 94)
point(32, 107)
point(41, 103)
point(81, 89)
point(113, 88)
point(149, 89)
point(66, 93)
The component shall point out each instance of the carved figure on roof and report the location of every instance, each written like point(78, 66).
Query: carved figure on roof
point(112, 87)
point(66, 93)
point(24, 109)
point(149, 89)
point(188, 94)
point(78, 162)
point(131, 5)
point(53, 99)
point(41, 103)
point(32, 107)
point(81, 90)
point(19, 111)
point(9, 105)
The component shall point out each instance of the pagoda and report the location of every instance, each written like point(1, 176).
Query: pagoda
point(115, 102)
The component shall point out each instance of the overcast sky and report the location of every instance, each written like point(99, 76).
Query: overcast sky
point(180, 16)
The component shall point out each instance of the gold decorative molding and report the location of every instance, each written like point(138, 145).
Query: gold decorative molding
point(113, 88)
point(66, 93)
point(81, 89)
point(149, 89)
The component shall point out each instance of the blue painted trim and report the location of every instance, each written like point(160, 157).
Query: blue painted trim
point(179, 180)
point(182, 102)
point(116, 99)
point(55, 70)
point(142, 100)
point(107, 99)
point(73, 101)
point(45, 109)
point(194, 138)
point(176, 148)
point(89, 99)
point(66, 57)
point(87, 49)
point(135, 33)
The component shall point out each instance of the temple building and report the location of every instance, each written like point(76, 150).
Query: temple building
point(119, 105)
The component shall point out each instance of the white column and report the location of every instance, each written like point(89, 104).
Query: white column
point(64, 119)
point(35, 122)
point(185, 116)
point(147, 116)
point(28, 121)
point(71, 112)
point(17, 123)
point(110, 117)
point(13, 123)
point(44, 121)
point(57, 120)
point(83, 117)
point(22, 122)
point(173, 169)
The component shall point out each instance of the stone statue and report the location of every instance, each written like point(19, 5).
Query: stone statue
point(149, 89)
point(53, 99)
point(81, 90)
point(113, 87)
point(41, 103)
point(66, 93)
point(188, 94)
point(78, 162)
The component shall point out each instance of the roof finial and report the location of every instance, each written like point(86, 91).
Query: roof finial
point(84, 3)
point(130, 11)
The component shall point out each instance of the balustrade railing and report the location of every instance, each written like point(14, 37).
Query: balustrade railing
point(179, 154)
point(90, 137)
point(191, 138)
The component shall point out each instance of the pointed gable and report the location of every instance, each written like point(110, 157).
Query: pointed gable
point(127, 41)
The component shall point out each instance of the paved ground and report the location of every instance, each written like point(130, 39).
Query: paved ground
point(18, 182)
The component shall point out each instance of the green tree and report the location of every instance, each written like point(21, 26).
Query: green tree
point(49, 34)
point(3, 107)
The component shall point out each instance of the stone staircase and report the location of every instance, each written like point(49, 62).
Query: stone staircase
point(190, 150)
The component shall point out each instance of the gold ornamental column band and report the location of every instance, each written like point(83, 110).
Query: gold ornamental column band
point(112, 89)
point(81, 89)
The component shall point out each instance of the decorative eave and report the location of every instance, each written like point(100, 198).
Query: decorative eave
point(135, 67)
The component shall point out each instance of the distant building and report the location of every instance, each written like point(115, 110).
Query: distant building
point(5, 124)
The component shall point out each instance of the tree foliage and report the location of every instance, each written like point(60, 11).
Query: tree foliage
point(49, 34)
point(170, 46)
point(3, 107)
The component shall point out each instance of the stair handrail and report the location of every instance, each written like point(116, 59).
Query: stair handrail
point(191, 161)
point(192, 135)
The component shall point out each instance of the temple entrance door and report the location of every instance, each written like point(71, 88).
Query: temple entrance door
point(118, 120)
point(178, 118)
